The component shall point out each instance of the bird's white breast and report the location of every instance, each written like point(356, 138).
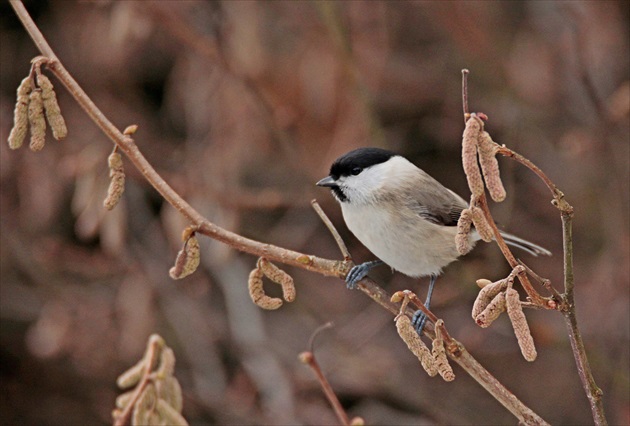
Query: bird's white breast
point(401, 238)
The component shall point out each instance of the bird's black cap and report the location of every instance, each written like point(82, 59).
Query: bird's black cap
point(361, 158)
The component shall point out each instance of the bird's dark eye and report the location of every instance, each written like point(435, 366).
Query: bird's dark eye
point(355, 171)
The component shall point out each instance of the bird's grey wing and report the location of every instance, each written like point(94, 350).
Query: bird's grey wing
point(439, 205)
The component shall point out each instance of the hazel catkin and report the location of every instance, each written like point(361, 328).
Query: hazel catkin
point(257, 292)
point(278, 276)
point(470, 138)
point(51, 106)
point(415, 344)
point(20, 114)
point(492, 311)
point(187, 259)
point(36, 120)
point(117, 181)
point(439, 354)
point(462, 238)
point(481, 224)
point(486, 294)
point(519, 324)
point(490, 167)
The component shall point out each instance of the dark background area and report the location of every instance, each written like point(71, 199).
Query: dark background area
point(242, 106)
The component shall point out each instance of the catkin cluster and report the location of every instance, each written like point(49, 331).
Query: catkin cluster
point(264, 268)
point(157, 396)
point(36, 102)
point(490, 303)
point(468, 217)
point(433, 361)
point(497, 297)
point(478, 148)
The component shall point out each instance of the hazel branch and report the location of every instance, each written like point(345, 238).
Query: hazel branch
point(340, 243)
point(309, 359)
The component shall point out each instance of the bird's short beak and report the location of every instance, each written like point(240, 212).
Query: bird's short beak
point(328, 181)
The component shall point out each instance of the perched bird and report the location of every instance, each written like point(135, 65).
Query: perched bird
point(402, 215)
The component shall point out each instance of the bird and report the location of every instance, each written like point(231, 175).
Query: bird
point(405, 217)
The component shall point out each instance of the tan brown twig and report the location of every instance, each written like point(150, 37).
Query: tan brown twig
point(340, 243)
point(546, 282)
point(416, 301)
point(309, 359)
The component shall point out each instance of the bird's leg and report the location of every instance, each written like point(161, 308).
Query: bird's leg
point(358, 272)
point(419, 317)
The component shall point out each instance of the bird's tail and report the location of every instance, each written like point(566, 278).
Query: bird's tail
point(531, 248)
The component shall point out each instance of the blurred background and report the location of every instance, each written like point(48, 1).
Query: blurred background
point(241, 107)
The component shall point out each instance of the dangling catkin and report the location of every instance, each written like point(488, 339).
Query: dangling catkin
point(470, 138)
point(187, 259)
point(278, 276)
point(53, 112)
point(36, 120)
point(481, 224)
point(116, 182)
point(490, 167)
point(439, 354)
point(462, 239)
point(257, 292)
point(492, 311)
point(20, 114)
point(486, 294)
point(415, 344)
point(519, 323)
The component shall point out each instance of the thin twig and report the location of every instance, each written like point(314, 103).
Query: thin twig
point(593, 392)
point(546, 282)
point(318, 330)
point(416, 301)
point(507, 253)
point(309, 359)
point(340, 243)
point(507, 152)
point(465, 73)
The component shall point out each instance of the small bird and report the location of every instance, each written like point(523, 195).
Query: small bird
point(402, 215)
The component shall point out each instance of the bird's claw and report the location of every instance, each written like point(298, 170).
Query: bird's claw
point(418, 321)
point(356, 274)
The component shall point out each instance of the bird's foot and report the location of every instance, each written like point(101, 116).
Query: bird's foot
point(418, 321)
point(358, 272)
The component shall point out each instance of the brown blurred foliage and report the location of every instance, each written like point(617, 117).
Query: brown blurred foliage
point(241, 106)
